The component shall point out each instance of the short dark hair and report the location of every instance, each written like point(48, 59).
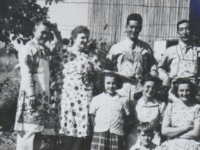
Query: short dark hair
point(184, 81)
point(136, 17)
point(79, 29)
point(183, 21)
point(145, 127)
point(101, 80)
point(149, 77)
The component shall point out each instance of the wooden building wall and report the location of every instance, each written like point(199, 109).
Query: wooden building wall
point(159, 18)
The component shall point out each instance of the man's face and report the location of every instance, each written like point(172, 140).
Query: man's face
point(184, 31)
point(42, 34)
point(133, 29)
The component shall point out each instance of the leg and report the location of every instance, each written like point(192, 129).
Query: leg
point(25, 140)
point(77, 143)
point(67, 142)
point(37, 141)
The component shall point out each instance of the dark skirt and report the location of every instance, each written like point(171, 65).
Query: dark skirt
point(107, 141)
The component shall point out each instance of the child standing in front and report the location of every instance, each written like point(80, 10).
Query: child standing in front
point(108, 111)
point(145, 133)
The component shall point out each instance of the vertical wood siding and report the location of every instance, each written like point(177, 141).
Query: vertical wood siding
point(159, 18)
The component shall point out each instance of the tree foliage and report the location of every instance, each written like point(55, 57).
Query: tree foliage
point(17, 18)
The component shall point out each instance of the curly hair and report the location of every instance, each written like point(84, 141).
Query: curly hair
point(149, 77)
point(184, 81)
point(79, 29)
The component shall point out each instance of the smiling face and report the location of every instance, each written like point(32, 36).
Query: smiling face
point(145, 138)
point(149, 89)
point(184, 92)
point(110, 85)
point(41, 34)
point(184, 31)
point(81, 40)
point(133, 29)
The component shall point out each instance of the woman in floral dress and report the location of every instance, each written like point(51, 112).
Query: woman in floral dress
point(77, 90)
point(181, 123)
point(35, 115)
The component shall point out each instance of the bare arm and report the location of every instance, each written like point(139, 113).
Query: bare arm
point(163, 66)
point(194, 133)
point(92, 117)
point(173, 132)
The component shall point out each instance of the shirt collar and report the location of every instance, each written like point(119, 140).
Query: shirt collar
point(153, 102)
point(116, 97)
point(182, 44)
point(139, 147)
point(130, 42)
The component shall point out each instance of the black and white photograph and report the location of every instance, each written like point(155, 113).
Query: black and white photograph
point(100, 75)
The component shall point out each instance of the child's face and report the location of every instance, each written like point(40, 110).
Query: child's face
point(145, 138)
point(149, 89)
point(110, 85)
point(41, 34)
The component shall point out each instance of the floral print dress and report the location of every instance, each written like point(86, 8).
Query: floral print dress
point(35, 74)
point(77, 93)
point(180, 115)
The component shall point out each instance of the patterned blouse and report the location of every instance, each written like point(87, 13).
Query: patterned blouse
point(180, 115)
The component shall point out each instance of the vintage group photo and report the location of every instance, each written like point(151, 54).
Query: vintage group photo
point(100, 75)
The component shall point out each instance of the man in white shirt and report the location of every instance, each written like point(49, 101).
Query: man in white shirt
point(134, 57)
point(181, 60)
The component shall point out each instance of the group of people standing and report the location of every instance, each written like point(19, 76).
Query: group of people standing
point(114, 118)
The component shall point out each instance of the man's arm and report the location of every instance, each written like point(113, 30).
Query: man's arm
point(163, 66)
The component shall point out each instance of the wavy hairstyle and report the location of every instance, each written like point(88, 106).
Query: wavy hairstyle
point(78, 30)
point(184, 81)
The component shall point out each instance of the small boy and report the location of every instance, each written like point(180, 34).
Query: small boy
point(145, 135)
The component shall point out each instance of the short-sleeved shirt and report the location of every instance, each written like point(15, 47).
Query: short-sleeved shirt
point(109, 113)
point(151, 112)
point(179, 61)
point(125, 47)
point(181, 115)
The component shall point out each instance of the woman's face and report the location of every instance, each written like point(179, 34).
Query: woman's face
point(81, 40)
point(149, 89)
point(184, 92)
